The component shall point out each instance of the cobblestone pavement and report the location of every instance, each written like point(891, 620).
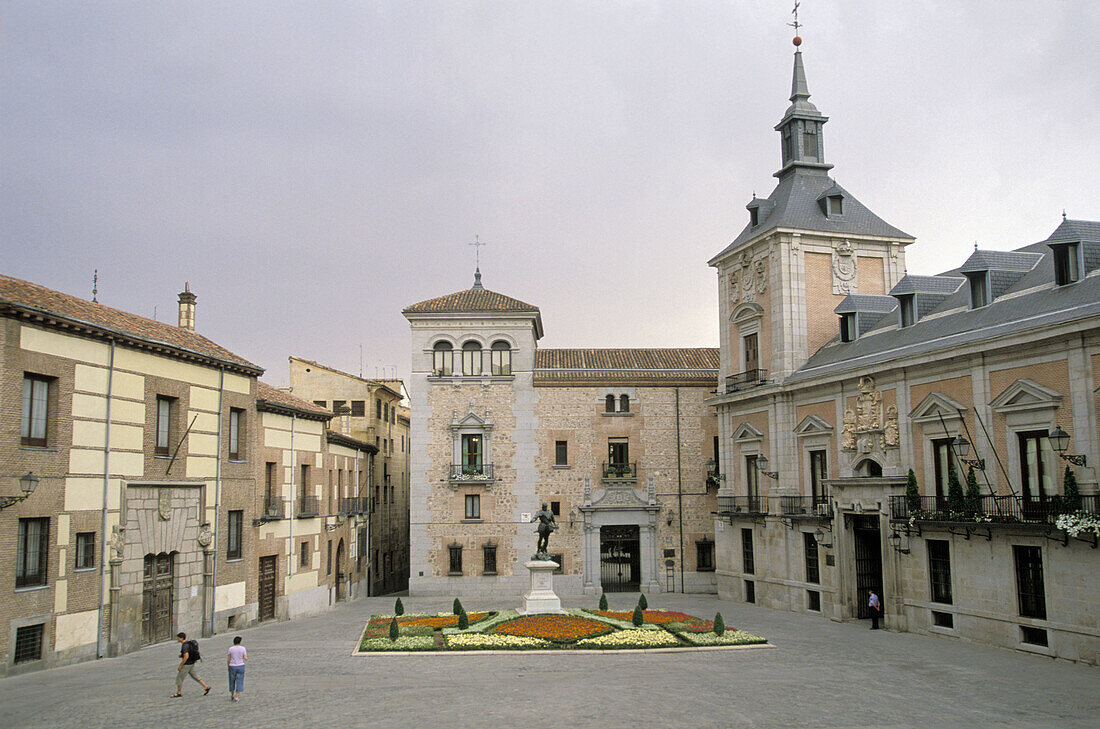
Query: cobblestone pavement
point(820, 674)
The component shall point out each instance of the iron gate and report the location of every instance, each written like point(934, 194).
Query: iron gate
point(267, 588)
point(868, 563)
point(620, 559)
point(156, 598)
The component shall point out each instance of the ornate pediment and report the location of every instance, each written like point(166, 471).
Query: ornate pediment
point(935, 406)
point(813, 425)
point(618, 497)
point(1024, 394)
point(745, 431)
point(470, 420)
point(746, 312)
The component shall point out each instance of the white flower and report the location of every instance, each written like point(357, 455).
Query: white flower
point(1081, 521)
point(635, 638)
point(474, 641)
point(730, 637)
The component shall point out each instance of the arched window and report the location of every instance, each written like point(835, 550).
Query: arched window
point(868, 468)
point(501, 358)
point(624, 404)
point(609, 403)
point(442, 361)
point(471, 359)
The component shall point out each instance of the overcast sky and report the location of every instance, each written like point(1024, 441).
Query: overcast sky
point(313, 167)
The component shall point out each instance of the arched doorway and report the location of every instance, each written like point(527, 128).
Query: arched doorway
point(340, 571)
point(157, 597)
point(868, 468)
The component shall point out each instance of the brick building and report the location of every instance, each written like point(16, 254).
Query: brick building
point(158, 474)
point(615, 441)
point(842, 374)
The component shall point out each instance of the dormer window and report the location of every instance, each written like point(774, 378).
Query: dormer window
point(1067, 265)
point(754, 216)
point(848, 331)
point(835, 205)
point(979, 289)
point(908, 310)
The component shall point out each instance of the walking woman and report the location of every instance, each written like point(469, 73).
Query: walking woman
point(237, 656)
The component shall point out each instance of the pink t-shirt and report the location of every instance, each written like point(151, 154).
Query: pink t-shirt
point(237, 654)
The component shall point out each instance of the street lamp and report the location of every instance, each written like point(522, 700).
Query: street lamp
point(1059, 440)
point(819, 537)
point(895, 542)
point(961, 447)
point(762, 465)
point(28, 484)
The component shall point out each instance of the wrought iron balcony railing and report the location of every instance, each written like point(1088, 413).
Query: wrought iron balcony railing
point(991, 509)
point(307, 506)
point(747, 379)
point(355, 505)
point(807, 506)
point(471, 472)
point(620, 470)
point(742, 505)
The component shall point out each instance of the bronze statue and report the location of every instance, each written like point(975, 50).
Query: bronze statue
point(545, 518)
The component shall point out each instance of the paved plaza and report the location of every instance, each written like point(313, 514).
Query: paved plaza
point(819, 674)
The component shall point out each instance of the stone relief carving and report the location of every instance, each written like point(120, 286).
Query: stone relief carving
point(761, 276)
point(848, 432)
point(164, 504)
point(205, 536)
point(868, 405)
point(844, 269)
point(735, 289)
point(890, 438)
point(748, 283)
point(118, 541)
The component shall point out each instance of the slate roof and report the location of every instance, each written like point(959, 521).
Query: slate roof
point(695, 366)
point(1076, 230)
point(941, 284)
point(1032, 303)
point(469, 300)
point(75, 313)
point(869, 303)
point(795, 206)
point(275, 400)
point(999, 261)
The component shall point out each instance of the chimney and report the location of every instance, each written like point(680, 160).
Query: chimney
point(187, 308)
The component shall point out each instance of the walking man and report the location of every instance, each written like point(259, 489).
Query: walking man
point(189, 656)
point(876, 609)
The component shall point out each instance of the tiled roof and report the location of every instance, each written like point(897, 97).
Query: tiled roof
point(276, 400)
point(35, 300)
point(469, 300)
point(346, 440)
point(658, 366)
point(795, 206)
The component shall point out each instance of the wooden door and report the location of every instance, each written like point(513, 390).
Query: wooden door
point(157, 598)
point(339, 571)
point(267, 587)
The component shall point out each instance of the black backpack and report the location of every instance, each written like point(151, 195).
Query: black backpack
point(191, 647)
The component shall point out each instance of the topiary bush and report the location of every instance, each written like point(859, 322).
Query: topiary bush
point(603, 602)
point(1072, 494)
point(719, 624)
point(956, 502)
point(637, 618)
point(398, 608)
point(973, 493)
point(642, 603)
point(457, 608)
point(463, 620)
point(394, 632)
point(912, 492)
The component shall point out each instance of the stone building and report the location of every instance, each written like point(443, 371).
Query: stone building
point(615, 441)
point(133, 472)
point(376, 412)
point(842, 374)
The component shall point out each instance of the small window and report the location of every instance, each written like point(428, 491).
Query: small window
point(624, 404)
point(303, 555)
point(490, 553)
point(36, 403)
point(555, 508)
point(835, 204)
point(442, 364)
point(1033, 636)
point(561, 453)
point(164, 424)
point(28, 643)
point(1067, 267)
point(979, 289)
point(754, 217)
point(234, 532)
point(1029, 581)
point(236, 420)
point(560, 560)
point(939, 570)
point(455, 561)
point(748, 561)
point(908, 309)
point(85, 551)
point(750, 591)
point(501, 359)
point(609, 404)
point(473, 506)
point(813, 571)
point(378, 406)
point(358, 408)
point(848, 331)
point(32, 552)
point(813, 600)
point(328, 559)
point(943, 620)
point(704, 555)
point(321, 403)
point(471, 359)
point(337, 404)
point(787, 152)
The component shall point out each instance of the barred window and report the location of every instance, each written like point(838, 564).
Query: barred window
point(455, 560)
point(939, 570)
point(28, 643)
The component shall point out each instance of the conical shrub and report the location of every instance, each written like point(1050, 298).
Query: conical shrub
point(719, 624)
point(457, 608)
point(603, 602)
point(398, 608)
point(394, 632)
point(642, 603)
point(463, 620)
point(637, 618)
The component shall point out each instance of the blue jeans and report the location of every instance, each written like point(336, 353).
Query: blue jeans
point(236, 679)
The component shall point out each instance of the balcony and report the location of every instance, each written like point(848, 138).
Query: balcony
point(273, 509)
point(308, 507)
point(990, 509)
point(355, 505)
point(621, 470)
point(801, 506)
point(749, 505)
point(471, 473)
point(746, 380)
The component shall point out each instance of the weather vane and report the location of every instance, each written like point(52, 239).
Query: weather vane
point(95, 286)
point(477, 244)
point(796, 25)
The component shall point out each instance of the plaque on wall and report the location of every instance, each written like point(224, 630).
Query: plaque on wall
point(670, 552)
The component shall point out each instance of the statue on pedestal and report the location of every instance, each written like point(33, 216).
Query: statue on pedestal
point(545, 518)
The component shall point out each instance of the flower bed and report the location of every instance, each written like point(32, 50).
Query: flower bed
point(670, 618)
point(555, 628)
point(448, 620)
point(635, 638)
point(404, 643)
point(482, 641)
point(730, 637)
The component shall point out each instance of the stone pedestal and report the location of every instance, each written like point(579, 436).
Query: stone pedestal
point(541, 598)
